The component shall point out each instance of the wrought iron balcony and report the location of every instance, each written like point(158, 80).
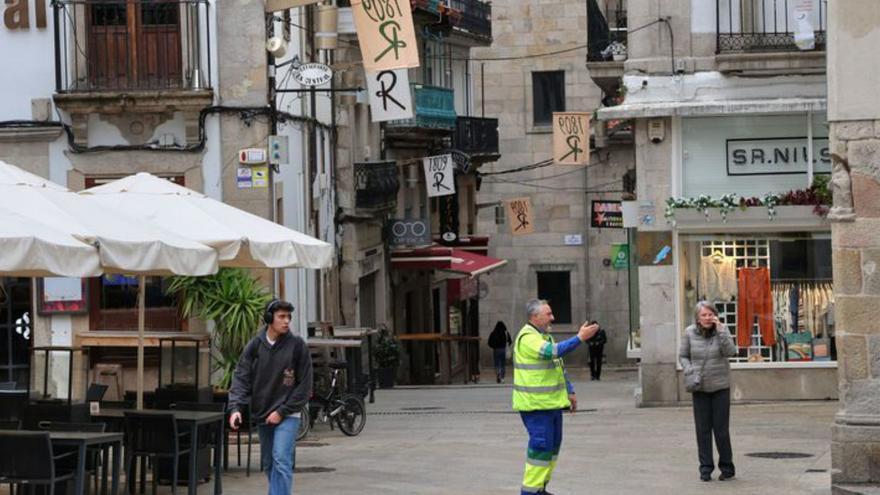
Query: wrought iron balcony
point(429, 6)
point(434, 110)
point(747, 26)
point(476, 136)
point(376, 185)
point(473, 16)
point(125, 45)
point(604, 28)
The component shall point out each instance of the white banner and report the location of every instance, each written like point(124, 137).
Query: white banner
point(390, 96)
point(439, 175)
point(804, 33)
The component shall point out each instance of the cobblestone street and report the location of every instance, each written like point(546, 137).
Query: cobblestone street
point(465, 439)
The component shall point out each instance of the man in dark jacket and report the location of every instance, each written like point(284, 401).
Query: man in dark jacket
point(274, 376)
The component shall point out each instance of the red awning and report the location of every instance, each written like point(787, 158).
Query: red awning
point(431, 258)
point(446, 259)
point(470, 264)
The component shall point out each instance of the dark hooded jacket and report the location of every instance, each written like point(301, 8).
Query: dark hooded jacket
point(272, 377)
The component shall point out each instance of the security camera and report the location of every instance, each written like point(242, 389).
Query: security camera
point(276, 46)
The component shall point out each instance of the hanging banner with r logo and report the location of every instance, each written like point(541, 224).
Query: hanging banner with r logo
point(520, 216)
point(571, 138)
point(390, 96)
point(386, 34)
point(439, 175)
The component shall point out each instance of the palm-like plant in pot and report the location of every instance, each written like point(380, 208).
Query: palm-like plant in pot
point(234, 300)
point(387, 354)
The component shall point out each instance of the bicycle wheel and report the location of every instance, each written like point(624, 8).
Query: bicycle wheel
point(305, 424)
point(353, 416)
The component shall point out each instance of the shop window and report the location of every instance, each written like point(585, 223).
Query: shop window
point(774, 293)
point(555, 288)
point(548, 96)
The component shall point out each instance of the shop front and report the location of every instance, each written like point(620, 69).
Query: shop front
point(748, 233)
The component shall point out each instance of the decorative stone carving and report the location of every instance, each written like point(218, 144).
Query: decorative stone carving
point(841, 189)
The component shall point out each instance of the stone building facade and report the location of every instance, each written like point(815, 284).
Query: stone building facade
point(854, 115)
point(561, 195)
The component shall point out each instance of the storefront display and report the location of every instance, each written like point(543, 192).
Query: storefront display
point(773, 291)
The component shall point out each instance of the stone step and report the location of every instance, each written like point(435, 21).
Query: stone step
point(855, 489)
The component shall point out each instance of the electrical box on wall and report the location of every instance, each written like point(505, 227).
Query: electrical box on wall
point(252, 156)
point(656, 130)
point(279, 150)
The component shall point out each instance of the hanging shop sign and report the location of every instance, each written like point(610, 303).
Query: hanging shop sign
point(439, 175)
point(386, 34)
point(449, 225)
point(409, 232)
point(571, 138)
point(520, 215)
point(606, 214)
point(620, 256)
point(776, 156)
point(389, 94)
point(313, 74)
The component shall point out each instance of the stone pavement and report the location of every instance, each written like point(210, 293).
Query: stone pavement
point(464, 440)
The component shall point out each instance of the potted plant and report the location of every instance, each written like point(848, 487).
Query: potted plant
point(616, 51)
point(387, 355)
point(234, 300)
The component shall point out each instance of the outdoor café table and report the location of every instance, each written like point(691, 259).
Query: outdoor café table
point(190, 420)
point(82, 440)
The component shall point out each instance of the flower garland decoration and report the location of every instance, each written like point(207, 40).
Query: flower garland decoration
point(817, 196)
point(771, 201)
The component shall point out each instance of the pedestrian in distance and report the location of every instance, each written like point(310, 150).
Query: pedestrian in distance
point(274, 377)
point(541, 391)
point(499, 340)
point(705, 348)
point(596, 346)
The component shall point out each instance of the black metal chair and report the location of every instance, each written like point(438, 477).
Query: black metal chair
point(34, 462)
point(154, 436)
point(247, 427)
point(93, 455)
point(207, 433)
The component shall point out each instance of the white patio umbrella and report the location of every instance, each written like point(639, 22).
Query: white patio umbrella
point(30, 248)
point(122, 244)
point(241, 238)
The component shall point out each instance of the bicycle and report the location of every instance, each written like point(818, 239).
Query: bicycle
point(346, 410)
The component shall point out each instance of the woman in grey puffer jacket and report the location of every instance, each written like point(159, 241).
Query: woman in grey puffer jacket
point(708, 339)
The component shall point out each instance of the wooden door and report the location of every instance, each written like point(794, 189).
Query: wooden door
point(134, 44)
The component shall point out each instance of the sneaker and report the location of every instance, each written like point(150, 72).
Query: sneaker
point(725, 477)
point(705, 477)
point(497, 379)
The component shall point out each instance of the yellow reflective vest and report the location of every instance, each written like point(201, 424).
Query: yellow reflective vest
point(538, 375)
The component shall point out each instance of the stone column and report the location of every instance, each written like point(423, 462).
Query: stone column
point(855, 447)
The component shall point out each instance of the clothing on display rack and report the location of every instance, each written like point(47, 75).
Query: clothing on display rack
point(806, 306)
point(754, 300)
point(717, 277)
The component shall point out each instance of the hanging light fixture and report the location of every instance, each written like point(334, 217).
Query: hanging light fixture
point(327, 34)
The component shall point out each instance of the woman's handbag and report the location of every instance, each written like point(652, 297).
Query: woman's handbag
point(693, 381)
point(508, 352)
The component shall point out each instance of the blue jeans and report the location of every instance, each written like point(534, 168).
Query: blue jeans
point(500, 357)
point(278, 454)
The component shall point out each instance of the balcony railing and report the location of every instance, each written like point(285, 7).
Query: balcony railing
point(606, 28)
point(429, 6)
point(376, 185)
point(765, 25)
point(124, 45)
point(475, 16)
point(476, 136)
point(434, 109)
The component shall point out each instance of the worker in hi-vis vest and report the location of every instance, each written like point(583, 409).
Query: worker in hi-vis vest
point(541, 391)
